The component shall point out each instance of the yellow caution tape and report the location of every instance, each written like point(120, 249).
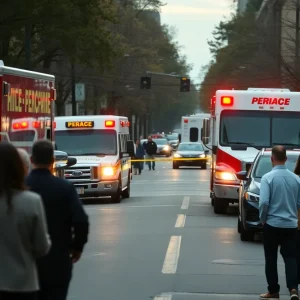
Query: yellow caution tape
point(167, 159)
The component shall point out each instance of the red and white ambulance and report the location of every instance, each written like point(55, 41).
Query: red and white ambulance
point(26, 106)
point(243, 122)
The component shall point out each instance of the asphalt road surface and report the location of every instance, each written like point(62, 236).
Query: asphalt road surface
point(165, 243)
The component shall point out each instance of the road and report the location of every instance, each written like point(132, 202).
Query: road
point(165, 243)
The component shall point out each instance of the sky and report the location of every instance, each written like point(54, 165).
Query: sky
point(195, 21)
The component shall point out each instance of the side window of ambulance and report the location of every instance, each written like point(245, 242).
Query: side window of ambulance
point(194, 133)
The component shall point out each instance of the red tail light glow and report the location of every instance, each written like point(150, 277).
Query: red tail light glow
point(21, 125)
point(36, 124)
point(227, 101)
point(186, 121)
point(110, 123)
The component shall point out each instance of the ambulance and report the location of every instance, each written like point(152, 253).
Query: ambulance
point(244, 122)
point(191, 127)
point(103, 150)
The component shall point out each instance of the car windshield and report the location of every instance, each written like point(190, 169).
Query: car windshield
point(87, 142)
point(264, 165)
point(160, 141)
point(190, 147)
point(259, 128)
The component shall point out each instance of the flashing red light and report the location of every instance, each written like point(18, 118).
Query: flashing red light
point(22, 125)
point(16, 125)
point(54, 125)
point(36, 124)
point(125, 123)
point(110, 123)
point(185, 120)
point(227, 101)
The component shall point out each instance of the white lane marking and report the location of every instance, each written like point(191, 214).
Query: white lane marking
point(172, 255)
point(185, 203)
point(180, 222)
point(163, 297)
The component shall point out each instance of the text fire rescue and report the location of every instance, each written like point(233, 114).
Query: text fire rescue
point(271, 101)
point(33, 101)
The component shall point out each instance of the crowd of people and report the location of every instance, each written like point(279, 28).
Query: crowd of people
point(43, 225)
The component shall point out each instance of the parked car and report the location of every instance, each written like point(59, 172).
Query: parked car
point(173, 140)
point(163, 147)
point(249, 190)
point(194, 153)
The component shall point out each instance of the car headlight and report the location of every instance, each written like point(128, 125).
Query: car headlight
point(227, 176)
point(177, 155)
point(202, 155)
point(108, 171)
point(251, 197)
point(166, 148)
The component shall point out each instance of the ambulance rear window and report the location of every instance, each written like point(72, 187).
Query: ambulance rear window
point(194, 134)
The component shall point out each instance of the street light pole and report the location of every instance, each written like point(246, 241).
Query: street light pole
point(73, 90)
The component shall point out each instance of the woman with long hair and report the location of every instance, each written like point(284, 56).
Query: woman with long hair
point(297, 172)
point(23, 229)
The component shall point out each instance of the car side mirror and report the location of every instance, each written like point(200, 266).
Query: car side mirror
point(130, 148)
point(206, 152)
point(242, 175)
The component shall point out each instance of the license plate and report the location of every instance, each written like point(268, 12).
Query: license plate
point(80, 190)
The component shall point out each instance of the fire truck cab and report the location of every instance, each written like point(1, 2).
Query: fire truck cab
point(103, 151)
point(243, 122)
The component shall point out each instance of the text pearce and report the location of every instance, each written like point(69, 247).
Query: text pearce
point(80, 124)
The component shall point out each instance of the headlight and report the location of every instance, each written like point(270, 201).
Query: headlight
point(177, 155)
point(251, 197)
point(166, 148)
point(227, 176)
point(108, 171)
point(202, 155)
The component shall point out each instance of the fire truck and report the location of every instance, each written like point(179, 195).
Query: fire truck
point(243, 122)
point(27, 106)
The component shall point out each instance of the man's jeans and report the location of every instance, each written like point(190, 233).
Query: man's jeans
point(286, 238)
point(149, 162)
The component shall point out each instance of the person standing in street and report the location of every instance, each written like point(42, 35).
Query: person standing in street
point(297, 172)
point(139, 155)
point(151, 149)
point(278, 210)
point(23, 230)
point(67, 222)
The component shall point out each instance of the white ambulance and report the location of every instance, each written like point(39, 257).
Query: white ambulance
point(191, 127)
point(103, 150)
point(243, 122)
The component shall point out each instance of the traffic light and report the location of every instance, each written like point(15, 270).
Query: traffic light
point(145, 83)
point(185, 84)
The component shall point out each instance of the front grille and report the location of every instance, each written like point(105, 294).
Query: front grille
point(78, 173)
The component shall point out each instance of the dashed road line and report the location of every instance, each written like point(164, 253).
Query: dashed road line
point(185, 203)
point(172, 255)
point(163, 297)
point(180, 222)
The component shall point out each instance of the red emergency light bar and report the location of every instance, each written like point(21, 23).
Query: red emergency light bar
point(185, 120)
point(227, 100)
point(125, 123)
point(24, 125)
point(110, 123)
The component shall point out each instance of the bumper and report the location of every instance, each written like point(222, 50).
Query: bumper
point(226, 191)
point(251, 216)
point(164, 152)
point(189, 162)
point(96, 189)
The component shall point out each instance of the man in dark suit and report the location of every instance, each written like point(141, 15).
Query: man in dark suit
point(67, 223)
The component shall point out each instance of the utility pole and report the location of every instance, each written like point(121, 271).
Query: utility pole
point(73, 90)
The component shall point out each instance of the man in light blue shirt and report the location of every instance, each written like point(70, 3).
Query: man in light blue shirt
point(278, 211)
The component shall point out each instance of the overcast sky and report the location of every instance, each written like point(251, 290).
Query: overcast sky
point(195, 21)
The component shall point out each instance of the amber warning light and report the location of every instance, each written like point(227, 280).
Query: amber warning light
point(227, 101)
point(110, 123)
point(80, 124)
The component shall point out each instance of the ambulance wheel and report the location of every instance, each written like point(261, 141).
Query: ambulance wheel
point(220, 206)
point(116, 198)
point(126, 193)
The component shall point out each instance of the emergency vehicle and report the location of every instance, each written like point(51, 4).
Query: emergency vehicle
point(103, 151)
point(191, 127)
point(27, 106)
point(243, 122)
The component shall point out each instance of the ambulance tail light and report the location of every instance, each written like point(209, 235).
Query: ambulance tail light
point(226, 100)
point(110, 123)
